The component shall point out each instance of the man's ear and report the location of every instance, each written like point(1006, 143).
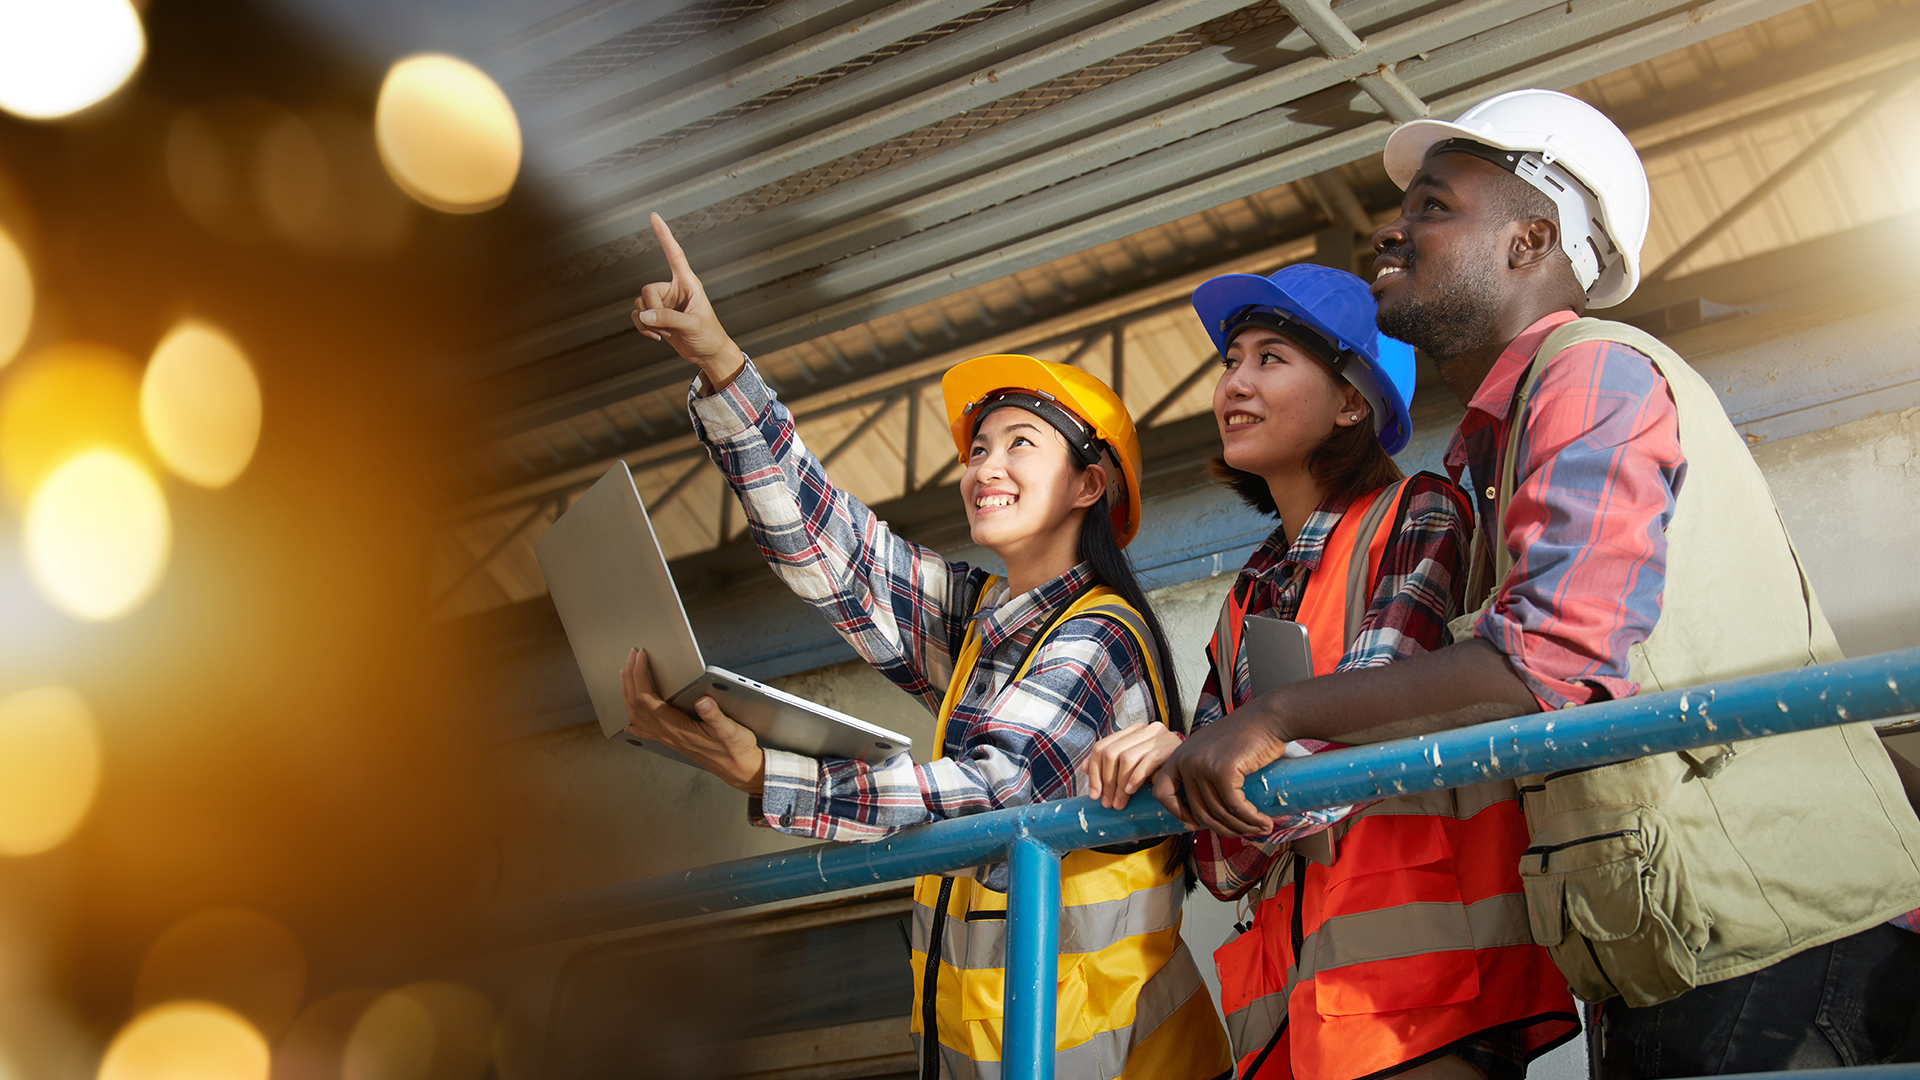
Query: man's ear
point(1093, 486)
point(1533, 242)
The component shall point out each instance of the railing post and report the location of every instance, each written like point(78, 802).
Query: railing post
point(1033, 960)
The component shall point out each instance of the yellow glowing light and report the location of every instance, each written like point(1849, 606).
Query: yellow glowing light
point(97, 535)
point(60, 57)
point(200, 404)
point(240, 959)
point(187, 1040)
point(447, 134)
point(16, 297)
point(424, 1031)
point(393, 1040)
point(49, 768)
point(62, 401)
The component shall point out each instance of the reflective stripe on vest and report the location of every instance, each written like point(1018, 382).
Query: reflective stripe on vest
point(1130, 996)
point(1418, 936)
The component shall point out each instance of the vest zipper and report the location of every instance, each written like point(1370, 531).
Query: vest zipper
point(930, 988)
point(1544, 850)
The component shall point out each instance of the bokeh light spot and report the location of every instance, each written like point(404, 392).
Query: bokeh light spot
point(187, 1040)
point(62, 401)
point(213, 151)
point(314, 1048)
point(240, 959)
point(447, 134)
point(16, 297)
point(49, 768)
point(393, 1040)
point(97, 535)
point(423, 1031)
point(60, 57)
point(200, 405)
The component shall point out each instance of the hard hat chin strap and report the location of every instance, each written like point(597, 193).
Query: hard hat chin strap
point(1582, 235)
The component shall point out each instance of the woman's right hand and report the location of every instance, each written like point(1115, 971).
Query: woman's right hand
point(1118, 764)
point(678, 313)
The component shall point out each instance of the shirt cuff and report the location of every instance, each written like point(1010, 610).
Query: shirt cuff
point(788, 795)
point(722, 416)
point(1549, 690)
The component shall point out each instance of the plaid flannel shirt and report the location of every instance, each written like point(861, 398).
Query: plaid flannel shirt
point(905, 610)
point(1420, 587)
point(1600, 466)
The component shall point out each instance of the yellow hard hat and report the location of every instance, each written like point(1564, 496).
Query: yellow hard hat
point(1047, 389)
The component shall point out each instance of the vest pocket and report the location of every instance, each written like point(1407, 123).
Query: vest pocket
point(1608, 897)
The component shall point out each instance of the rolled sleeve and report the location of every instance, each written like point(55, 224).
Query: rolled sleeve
point(1600, 465)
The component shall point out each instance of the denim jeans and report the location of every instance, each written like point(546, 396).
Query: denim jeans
point(1855, 1001)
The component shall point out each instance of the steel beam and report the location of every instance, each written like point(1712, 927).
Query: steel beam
point(571, 32)
point(1135, 213)
point(1252, 140)
point(1128, 156)
point(762, 32)
point(843, 110)
point(1863, 689)
point(1787, 171)
point(654, 113)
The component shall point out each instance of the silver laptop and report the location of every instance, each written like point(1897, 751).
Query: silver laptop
point(609, 580)
point(1278, 652)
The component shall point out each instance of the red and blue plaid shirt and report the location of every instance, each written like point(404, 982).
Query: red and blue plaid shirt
point(905, 610)
point(1421, 581)
point(1599, 468)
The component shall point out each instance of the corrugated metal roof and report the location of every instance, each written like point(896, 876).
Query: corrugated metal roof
point(839, 292)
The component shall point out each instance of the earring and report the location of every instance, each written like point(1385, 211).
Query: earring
point(1354, 417)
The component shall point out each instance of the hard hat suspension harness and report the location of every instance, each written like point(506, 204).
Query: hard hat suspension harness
point(1590, 248)
point(1083, 443)
point(1310, 339)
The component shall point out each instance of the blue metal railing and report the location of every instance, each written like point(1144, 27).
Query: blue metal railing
point(1032, 838)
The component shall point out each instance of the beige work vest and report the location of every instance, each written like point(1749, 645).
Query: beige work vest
point(1652, 876)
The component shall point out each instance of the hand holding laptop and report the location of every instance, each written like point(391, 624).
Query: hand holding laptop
point(713, 741)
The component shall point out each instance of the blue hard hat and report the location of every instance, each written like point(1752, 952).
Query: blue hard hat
point(1337, 308)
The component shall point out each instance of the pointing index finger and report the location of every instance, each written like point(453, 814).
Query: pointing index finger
point(676, 258)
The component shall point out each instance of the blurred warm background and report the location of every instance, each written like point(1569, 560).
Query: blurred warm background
point(312, 319)
point(235, 805)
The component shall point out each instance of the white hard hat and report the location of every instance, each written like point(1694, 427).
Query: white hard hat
point(1555, 138)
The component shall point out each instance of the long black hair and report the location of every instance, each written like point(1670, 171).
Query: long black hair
point(1100, 550)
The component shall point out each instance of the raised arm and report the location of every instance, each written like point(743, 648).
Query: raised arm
point(900, 605)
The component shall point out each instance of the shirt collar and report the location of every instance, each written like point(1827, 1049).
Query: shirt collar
point(1490, 402)
point(1011, 614)
point(1309, 546)
point(1496, 390)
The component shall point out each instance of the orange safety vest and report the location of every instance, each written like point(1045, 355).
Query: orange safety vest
point(1415, 938)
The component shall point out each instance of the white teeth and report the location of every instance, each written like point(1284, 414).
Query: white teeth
point(995, 500)
point(1241, 418)
point(1385, 270)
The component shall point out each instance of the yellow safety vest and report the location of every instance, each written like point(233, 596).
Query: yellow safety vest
point(1130, 999)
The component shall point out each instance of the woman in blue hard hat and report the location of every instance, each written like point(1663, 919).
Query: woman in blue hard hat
point(1023, 674)
point(1390, 939)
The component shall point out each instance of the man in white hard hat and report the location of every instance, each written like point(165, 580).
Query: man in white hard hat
point(1729, 906)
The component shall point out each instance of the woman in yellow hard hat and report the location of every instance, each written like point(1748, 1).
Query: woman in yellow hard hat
point(1024, 674)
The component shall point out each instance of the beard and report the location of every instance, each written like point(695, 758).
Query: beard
point(1447, 325)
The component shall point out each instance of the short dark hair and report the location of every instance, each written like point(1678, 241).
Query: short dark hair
point(1349, 463)
point(1516, 200)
